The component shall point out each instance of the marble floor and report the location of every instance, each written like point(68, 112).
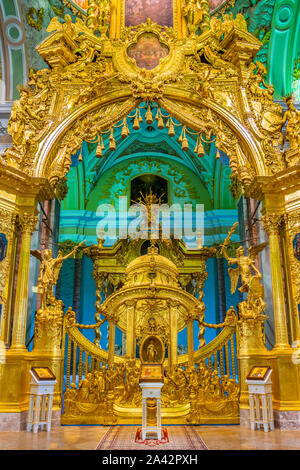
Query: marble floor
point(87, 438)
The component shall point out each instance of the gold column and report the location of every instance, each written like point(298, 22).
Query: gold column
point(130, 333)
point(8, 227)
point(181, 25)
point(292, 266)
point(272, 223)
point(115, 19)
point(28, 222)
point(173, 306)
point(190, 341)
point(111, 339)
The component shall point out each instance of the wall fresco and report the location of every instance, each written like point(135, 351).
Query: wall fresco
point(137, 11)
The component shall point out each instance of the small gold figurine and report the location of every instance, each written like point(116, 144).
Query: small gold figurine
point(293, 126)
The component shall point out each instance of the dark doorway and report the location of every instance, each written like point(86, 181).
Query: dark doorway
point(145, 184)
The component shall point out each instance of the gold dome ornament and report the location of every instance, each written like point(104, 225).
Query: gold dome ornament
point(151, 268)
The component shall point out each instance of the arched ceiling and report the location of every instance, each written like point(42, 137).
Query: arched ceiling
point(192, 180)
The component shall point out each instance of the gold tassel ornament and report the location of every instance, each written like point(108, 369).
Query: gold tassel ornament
point(125, 131)
point(200, 149)
point(112, 142)
point(149, 117)
point(98, 153)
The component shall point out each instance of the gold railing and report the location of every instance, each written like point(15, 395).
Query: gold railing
point(81, 354)
point(220, 353)
point(86, 363)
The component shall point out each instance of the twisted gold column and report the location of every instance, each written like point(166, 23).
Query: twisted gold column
point(28, 223)
point(8, 222)
point(111, 339)
point(173, 306)
point(190, 341)
point(130, 333)
point(272, 223)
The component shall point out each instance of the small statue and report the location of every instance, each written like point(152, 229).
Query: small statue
point(196, 14)
point(24, 121)
point(256, 80)
point(151, 352)
point(49, 272)
point(293, 127)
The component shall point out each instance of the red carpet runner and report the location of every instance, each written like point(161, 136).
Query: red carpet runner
point(173, 437)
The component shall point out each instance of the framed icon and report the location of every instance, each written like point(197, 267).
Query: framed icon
point(258, 373)
point(151, 372)
point(42, 373)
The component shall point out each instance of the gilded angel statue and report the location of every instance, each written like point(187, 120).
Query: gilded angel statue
point(245, 263)
point(250, 278)
point(49, 272)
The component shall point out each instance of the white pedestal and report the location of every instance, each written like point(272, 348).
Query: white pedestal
point(40, 405)
point(151, 390)
point(260, 402)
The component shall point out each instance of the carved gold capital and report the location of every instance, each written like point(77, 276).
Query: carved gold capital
point(131, 303)
point(273, 223)
point(28, 222)
point(200, 278)
point(174, 304)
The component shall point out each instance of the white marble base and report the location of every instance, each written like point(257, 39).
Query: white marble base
point(284, 420)
point(287, 419)
point(18, 421)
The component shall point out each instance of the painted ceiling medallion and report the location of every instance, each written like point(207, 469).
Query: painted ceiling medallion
point(148, 51)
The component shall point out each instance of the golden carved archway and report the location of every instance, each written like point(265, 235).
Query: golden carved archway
point(87, 92)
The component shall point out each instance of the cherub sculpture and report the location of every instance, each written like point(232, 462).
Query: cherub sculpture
point(49, 272)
